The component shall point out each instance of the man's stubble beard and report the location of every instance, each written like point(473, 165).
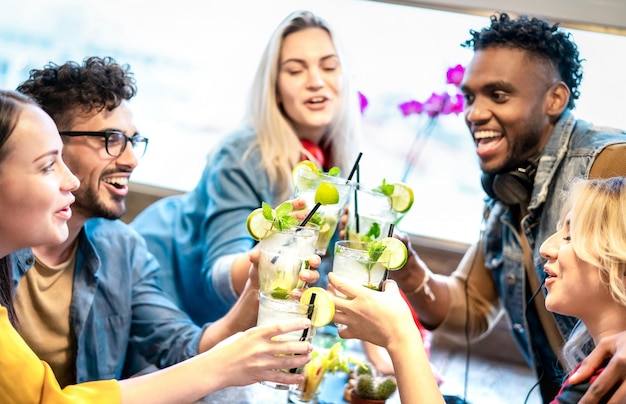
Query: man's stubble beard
point(90, 204)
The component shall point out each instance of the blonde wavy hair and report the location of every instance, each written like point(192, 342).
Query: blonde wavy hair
point(279, 143)
point(598, 237)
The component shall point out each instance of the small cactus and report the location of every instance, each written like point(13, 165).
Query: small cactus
point(374, 388)
point(386, 387)
point(364, 370)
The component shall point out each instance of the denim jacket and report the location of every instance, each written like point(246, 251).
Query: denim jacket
point(117, 300)
point(569, 153)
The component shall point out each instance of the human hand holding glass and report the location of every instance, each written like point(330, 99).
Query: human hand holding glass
point(255, 354)
point(360, 262)
point(315, 304)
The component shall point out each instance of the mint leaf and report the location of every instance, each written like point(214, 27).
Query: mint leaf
point(268, 212)
point(281, 217)
point(284, 209)
point(287, 222)
point(387, 189)
point(334, 171)
point(317, 218)
point(374, 232)
point(375, 250)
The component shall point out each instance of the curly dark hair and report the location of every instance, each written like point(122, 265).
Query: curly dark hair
point(537, 37)
point(71, 89)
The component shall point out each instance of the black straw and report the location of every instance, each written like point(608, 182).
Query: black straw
point(357, 224)
point(355, 166)
point(389, 234)
point(310, 215)
point(309, 315)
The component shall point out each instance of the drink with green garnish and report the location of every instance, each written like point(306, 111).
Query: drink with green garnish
point(361, 262)
point(276, 311)
point(314, 303)
point(373, 218)
point(284, 253)
point(306, 184)
point(375, 210)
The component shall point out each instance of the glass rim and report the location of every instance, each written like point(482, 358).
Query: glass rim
point(298, 230)
point(291, 305)
point(335, 179)
point(346, 244)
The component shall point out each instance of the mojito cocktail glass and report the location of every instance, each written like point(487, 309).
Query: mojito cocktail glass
point(284, 253)
point(353, 261)
point(374, 214)
point(275, 311)
point(306, 185)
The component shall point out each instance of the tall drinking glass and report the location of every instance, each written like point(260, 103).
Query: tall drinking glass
point(283, 255)
point(371, 216)
point(275, 311)
point(306, 185)
point(354, 261)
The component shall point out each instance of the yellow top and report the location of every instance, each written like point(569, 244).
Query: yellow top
point(26, 379)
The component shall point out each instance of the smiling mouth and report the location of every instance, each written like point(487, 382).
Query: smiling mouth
point(317, 100)
point(486, 136)
point(117, 182)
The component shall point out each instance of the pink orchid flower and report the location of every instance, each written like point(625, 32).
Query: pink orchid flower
point(411, 107)
point(363, 102)
point(454, 75)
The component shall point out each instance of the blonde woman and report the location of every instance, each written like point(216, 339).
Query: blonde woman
point(585, 272)
point(301, 106)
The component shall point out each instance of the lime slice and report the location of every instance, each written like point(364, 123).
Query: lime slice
point(307, 165)
point(280, 293)
point(258, 226)
point(326, 194)
point(402, 198)
point(395, 253)
point(323, 306)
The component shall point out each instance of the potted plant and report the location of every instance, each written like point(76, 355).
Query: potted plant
point(368, 388)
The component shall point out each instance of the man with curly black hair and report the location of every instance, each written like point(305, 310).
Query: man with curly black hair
point(519, 87)
point(84, 304)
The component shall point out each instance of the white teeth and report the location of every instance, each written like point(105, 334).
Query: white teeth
point(317, 99)
point(486, 134)
point(122, 181)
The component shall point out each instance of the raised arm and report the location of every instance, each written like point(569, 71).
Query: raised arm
point(442, 301)
point(384, 319)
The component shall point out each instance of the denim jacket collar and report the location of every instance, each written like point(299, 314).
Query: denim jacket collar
point(551, 158)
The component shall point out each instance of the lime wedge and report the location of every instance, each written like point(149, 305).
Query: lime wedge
point(395, 253)
point(307, 165)
point(258, 226)
point(280, 293)
point(402, 198)
point(323, 306)
point(326, 194)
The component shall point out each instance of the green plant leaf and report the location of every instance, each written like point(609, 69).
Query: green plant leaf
point(373, 232)
point(334, 171)
point(284, 209)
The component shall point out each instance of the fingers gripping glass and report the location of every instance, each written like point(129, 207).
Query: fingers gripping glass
point(115, 141)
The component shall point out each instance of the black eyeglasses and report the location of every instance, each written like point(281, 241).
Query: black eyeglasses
point(115, 141)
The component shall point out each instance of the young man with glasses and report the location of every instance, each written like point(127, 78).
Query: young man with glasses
point(83, 304)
